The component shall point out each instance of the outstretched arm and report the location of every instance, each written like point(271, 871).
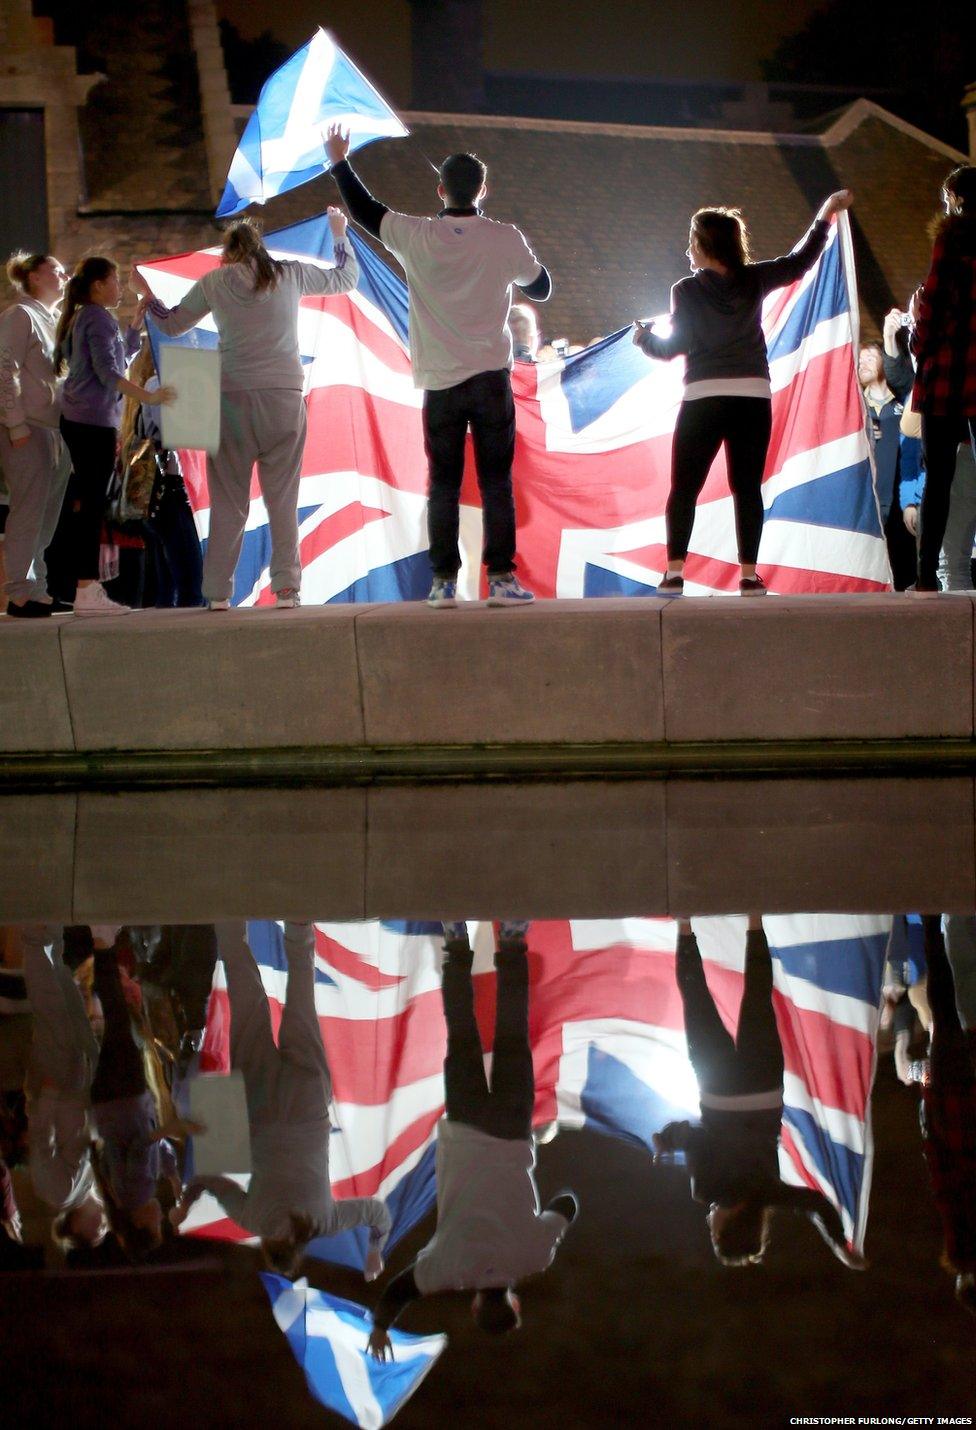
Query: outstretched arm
point(397, 1295)
point(825, 1217)
point(656, 346)
point(778, 272)
point(367, 211)
point(344, 275)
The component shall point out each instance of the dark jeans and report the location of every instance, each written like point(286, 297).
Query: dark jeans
point(940, 443)
point(120, 1071)
point(753, 1060)
point(176, 552)
point(743, 424)
point(485, 404)
point(505, 1109)
point(92, 452)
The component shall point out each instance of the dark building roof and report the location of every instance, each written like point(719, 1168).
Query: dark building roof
point(606, 207)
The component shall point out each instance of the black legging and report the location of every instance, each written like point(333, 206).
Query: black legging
point(92, 452)
point(940, 445)
point(744, 425)
point(753, 1060)
point(120, 1071)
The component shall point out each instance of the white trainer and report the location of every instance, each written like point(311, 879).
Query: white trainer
point(91, 600)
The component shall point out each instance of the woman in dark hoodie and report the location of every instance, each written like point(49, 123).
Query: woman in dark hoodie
point(716, 321)
point(944, 344)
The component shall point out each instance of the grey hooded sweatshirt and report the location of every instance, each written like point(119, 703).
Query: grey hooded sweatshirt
point(716, 318)
point(258, 331)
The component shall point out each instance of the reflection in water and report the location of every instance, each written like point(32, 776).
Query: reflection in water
point(948, 1106)
point(733, 1153)
point(394, 1071)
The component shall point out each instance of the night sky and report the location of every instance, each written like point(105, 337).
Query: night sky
point(675, 39)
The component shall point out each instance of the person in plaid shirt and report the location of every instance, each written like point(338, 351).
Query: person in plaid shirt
point(947, 1115)
point(943, 341)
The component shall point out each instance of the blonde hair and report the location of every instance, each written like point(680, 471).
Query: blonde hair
point(141, 370)
point(21, 265)
point(243, 244)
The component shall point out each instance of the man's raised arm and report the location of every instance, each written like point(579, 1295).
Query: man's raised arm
point(363, 208)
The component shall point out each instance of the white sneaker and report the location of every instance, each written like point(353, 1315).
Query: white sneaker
point(287, 599)
point(91, 600)
point(218, 605)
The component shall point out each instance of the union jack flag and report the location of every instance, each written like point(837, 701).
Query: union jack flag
point(607, 1043)
point(593, 455)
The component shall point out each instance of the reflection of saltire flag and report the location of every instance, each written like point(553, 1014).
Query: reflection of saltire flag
point(282, 147)
point(361, 505)
point(593, 457)
point(328, 1337)
point(377, 994)
point(608, 1039)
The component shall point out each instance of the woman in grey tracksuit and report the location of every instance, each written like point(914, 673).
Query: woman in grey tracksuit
point(32, 453)
point(255, 301)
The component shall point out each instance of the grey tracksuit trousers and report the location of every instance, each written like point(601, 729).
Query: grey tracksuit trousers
point(267, 428)
point(37, 476)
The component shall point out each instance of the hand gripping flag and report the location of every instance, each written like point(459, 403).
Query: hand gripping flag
point(592, 459)
point(282, 145)
point(328, 1337)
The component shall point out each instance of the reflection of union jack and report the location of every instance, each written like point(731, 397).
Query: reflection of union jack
point(607, 1043)
point(593, 454)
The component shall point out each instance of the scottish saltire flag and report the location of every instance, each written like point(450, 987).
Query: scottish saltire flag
point(282, 146)
point(609, 1047)
point(377, 994)
point(593, 456)
point(328, 1337)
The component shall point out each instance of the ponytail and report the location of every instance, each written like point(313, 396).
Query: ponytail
point(76, 295)
point(21, 265)
point(243, 244)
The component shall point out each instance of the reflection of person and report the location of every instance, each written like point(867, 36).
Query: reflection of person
point(490, 1232)
point(733, 1154)
point(716, 321)
point(255, 301)
point(460, 269)
point(63, 1058)
point(134, 1152)
point(948, 1110)
point(289, 1199)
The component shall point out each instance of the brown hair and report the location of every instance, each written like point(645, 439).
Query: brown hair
point(462, 177)
point(722, 235)
point(76, 295)
point(21, 265)
point(243, 244)
point(743, 1239)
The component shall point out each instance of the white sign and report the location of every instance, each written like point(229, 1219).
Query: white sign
point(193, 419)
point(220, 1104)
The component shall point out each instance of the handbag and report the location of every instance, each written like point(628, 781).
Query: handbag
point(138, 471)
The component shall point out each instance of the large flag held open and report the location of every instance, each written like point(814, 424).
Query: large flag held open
point(282, 145)
point(608, 1045)
point(593, 455)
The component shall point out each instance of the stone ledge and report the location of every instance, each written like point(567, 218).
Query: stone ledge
point(624, 685)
